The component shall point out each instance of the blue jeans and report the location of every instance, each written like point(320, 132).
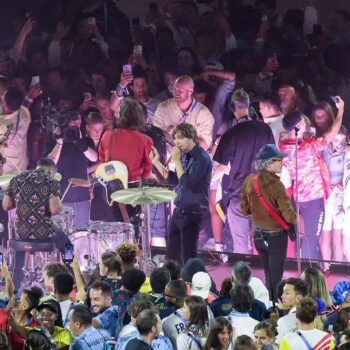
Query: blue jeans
point(82, 214)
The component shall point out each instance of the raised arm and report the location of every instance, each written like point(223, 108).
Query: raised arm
point(338, 120)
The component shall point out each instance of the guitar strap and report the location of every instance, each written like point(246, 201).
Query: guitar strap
point(121, 206)
point(110, 146)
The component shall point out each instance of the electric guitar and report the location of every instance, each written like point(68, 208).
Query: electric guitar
point(113, 176)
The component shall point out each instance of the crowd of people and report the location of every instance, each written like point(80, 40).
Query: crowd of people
point(199, 96)
point(120, 308)
point(214, 66)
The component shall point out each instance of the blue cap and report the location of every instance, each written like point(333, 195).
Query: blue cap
point(269, 151)
point(341, 291)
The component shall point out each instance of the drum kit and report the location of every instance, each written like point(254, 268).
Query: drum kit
point(100, 236)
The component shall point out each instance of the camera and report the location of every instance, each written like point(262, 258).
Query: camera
point(70, 133)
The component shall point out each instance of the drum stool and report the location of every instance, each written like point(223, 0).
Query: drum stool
point(32, 273)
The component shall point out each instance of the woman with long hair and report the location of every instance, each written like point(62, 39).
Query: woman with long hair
point(195, 312)
point(317, 286)
point(220, 335)
point(322, 118)
point(265, 332)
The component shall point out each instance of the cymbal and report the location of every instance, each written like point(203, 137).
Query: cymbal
point(5, 179)
point(144, 195)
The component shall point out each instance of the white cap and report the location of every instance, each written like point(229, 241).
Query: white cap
point(201, 283)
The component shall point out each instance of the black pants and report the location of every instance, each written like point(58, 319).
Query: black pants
point(272, 250)
point(59, 238)
point(183, 235)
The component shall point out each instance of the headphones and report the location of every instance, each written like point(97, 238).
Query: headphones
point(49, 343)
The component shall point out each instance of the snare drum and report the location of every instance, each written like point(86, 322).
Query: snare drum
point(111, 234)
point(85, 244)
point(65, 219)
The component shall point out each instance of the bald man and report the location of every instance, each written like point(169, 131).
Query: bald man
point(183, 108)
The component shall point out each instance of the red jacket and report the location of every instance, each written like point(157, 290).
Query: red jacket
point(130, 147)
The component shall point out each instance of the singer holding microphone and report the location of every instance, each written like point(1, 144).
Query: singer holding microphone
point(193, 172)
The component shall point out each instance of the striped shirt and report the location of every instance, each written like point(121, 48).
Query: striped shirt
point(317, 339)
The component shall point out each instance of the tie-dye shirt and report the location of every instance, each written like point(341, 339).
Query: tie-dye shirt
point(311, 169)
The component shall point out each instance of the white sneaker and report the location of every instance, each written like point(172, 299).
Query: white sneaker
point(158, 242)
point(220, 247)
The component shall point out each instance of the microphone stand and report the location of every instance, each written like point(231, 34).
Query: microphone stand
point(296, 130)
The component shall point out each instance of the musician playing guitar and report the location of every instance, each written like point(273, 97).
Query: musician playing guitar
point(128, 145)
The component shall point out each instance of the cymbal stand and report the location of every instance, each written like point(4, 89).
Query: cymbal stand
point(146, 241)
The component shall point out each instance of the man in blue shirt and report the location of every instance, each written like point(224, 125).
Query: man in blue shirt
point(108, 317)
point(193, 173)
point(87, 337)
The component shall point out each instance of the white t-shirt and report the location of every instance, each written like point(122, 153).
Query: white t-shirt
point(242, 324)
point(286, 324)
point(276, 125)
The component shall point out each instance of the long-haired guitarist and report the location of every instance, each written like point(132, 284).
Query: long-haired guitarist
point(128, 145)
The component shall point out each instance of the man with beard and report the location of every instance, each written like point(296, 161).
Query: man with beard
point(173, 325)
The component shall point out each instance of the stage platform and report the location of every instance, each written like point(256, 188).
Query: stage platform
point(339, 271)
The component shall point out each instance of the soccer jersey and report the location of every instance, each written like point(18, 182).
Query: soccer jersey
point(174, 325)
point(302, 339)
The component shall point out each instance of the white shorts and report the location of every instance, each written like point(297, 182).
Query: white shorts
point(346, 223)
point(332, 218)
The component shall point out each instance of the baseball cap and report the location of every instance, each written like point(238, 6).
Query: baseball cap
point(201, 283)
point(269, 151)
point(50, 304)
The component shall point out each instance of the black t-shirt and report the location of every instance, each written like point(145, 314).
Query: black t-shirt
point(73, 163)
point(238, 147)
point(137, 344)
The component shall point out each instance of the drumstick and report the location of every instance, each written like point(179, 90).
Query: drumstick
point(65, 192)
point(18, 169)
